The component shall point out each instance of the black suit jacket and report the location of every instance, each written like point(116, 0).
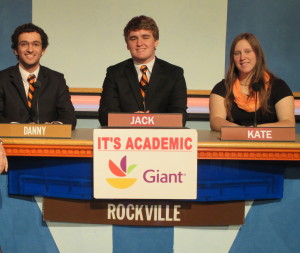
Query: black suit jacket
point(54, 101)
point(167, 92)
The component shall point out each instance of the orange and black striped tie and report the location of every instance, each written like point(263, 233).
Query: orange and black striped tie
point(30, 80)
point(144, 80)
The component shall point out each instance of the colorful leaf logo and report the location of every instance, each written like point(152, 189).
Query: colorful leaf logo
point(121, 182)
point(121, 171)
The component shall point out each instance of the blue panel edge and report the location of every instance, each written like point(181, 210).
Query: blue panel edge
point(218, 180)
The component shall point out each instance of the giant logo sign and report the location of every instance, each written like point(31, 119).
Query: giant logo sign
point(145, 163)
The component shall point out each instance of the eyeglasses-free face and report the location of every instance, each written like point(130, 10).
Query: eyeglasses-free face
point(244, 58)
point(141, 45)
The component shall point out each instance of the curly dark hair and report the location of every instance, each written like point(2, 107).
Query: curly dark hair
point(141, 22)
point(28, 28)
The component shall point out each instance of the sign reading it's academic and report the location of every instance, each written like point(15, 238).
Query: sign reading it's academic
point(145, 164)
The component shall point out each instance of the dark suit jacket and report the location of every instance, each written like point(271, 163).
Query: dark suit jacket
point(54, 101)
point(167, 92)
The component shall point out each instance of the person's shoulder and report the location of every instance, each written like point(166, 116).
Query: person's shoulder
point(128, 62)
point(280, 86)
point(220, 85)
point(47, 71)
point(278, 81)
point(9, 70)
point(167, 65)
point(219, 88)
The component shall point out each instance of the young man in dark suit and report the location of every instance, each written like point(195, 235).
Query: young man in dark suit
point(29, 92)
point(161, 88)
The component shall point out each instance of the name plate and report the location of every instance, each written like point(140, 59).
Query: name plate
point(145, 120)
point(258, 134)
point(35, 130)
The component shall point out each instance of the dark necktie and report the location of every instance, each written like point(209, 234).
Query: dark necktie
point(30, 80)
point(144, 80)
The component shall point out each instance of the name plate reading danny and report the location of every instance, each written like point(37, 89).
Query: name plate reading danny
point(35, 131)
point(145, 120)
point(258, 134)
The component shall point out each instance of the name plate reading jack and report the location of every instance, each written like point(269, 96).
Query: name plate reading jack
point(145, 120)
point(35, 130)
point(258, 134)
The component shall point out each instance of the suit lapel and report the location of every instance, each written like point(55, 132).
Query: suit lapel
point(43, 79)
point(16, 80)
point(154, 83)
point(134, 83)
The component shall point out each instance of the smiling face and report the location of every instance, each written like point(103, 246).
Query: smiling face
point(244, 58)
point(141, 45)
point(29, 50)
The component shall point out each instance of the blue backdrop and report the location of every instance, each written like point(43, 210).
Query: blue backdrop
point(275, 24)
point(12, 14)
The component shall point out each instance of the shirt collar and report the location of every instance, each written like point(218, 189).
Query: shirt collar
point(149, 65)
point(25, 73)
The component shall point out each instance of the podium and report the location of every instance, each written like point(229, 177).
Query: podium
point(63, 168)
point(227, 171)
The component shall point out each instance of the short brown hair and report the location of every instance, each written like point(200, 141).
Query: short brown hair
point(141, 22)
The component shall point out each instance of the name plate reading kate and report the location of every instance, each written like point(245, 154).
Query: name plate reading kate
point(145, 120)
point(35, 131)
point(258, 134)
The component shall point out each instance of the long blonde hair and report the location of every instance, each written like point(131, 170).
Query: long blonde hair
point(257, 74)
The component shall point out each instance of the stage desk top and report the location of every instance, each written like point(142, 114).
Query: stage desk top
point(209, 147)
